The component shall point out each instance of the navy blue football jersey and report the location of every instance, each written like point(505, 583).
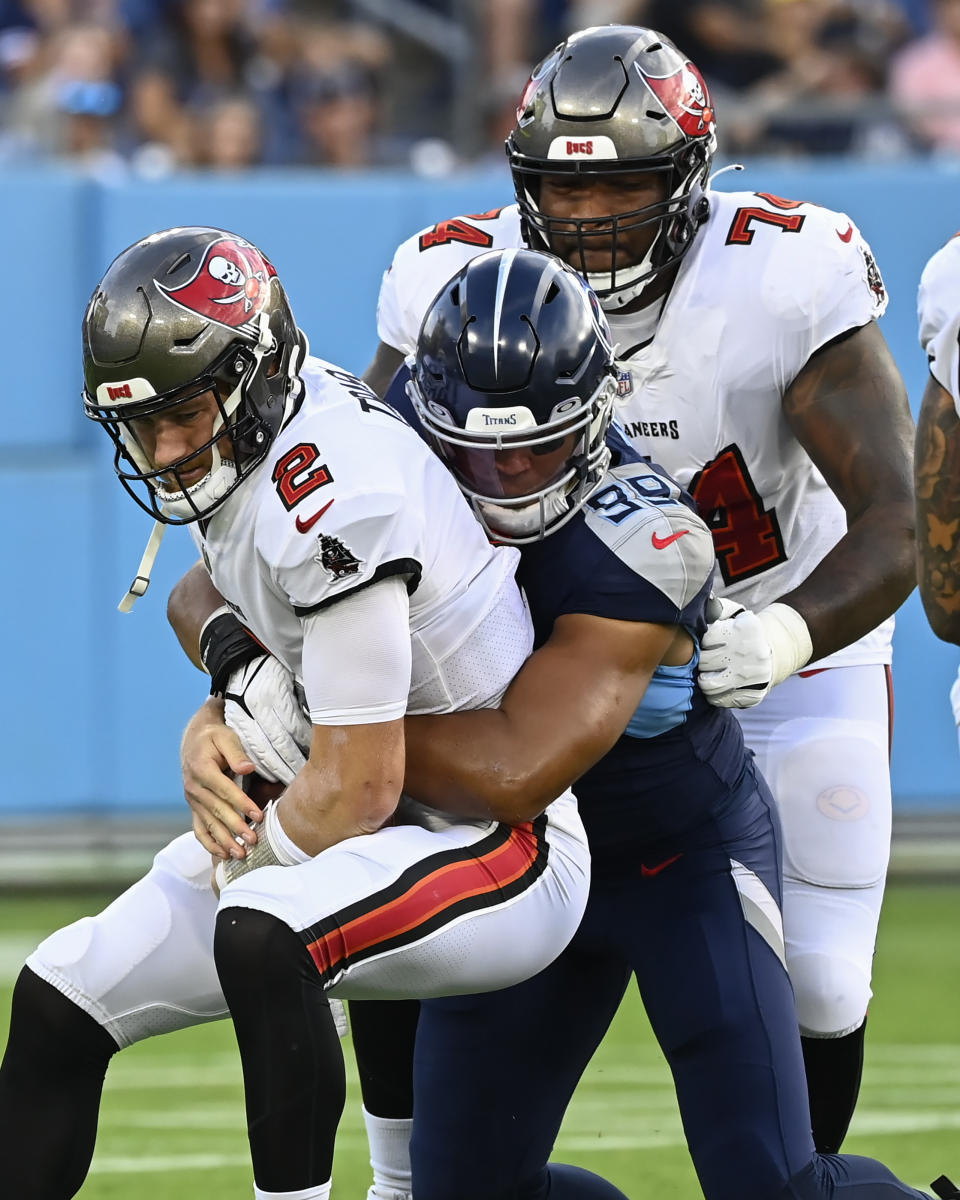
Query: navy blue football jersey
point(637, 551)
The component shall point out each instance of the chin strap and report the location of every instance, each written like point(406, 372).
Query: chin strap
point(723, 171)
point(266, 343)
point(141, 580)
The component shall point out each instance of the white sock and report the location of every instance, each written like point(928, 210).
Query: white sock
point(315, 1193)
point(389, 1139)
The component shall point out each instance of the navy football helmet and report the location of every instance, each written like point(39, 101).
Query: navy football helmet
point(514, 382)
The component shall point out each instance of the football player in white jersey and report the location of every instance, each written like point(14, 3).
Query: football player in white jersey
point(753, 370)
point(938, 445)
point(367, 577)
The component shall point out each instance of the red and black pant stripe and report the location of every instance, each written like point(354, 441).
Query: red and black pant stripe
point(430, 894)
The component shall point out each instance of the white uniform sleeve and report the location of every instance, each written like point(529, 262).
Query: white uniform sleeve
point(938, 304)
point(360, 540)
point(357, 657)
point(394, 324)
point(818, 283)
point(423, 264)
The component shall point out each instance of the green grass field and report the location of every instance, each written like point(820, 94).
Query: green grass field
point(172, 1119)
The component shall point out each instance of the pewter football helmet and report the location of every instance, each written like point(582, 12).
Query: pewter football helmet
point(610, 100)
point(180, 313)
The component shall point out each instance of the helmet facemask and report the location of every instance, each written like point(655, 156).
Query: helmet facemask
point(471, 455)
point(611, 101)
point(250, 403)
point(675, 220)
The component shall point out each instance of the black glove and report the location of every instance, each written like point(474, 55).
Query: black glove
point(224, 647)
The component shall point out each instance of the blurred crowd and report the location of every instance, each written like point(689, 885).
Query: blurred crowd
point(154, 86)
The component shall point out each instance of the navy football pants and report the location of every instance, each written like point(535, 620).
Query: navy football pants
point(494, 1073)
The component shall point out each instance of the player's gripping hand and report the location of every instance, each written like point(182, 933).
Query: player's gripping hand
point(210, 757)
point(743, 654)
point(262, 708)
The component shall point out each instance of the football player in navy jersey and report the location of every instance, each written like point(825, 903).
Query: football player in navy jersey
point(686, 884)
point(753, 368)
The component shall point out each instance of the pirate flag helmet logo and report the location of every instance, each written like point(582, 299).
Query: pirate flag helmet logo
point(685, 98)
point(230, 286)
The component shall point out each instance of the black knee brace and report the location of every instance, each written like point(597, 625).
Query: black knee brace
point(293, 1070)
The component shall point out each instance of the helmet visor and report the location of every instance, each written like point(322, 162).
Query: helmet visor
point(514, 472)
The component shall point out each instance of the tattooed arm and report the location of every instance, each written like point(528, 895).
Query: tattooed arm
point(937, 485)
point(848, 409)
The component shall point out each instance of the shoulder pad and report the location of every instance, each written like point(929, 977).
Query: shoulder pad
point(810, 261)
point(341, 502)
point(641, 517)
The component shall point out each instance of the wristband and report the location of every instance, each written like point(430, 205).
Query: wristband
point(273, 849)
point(789, 639)
point(224, 646)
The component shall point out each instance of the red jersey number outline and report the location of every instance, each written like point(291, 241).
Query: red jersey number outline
point(740, 232)
point(456, 229)
point(296, 476)
point(746, 536)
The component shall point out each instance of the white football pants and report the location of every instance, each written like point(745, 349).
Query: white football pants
point(823, 743)
point(404, 912)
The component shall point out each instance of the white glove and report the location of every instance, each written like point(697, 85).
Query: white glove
point(262, 709)
point(744, 654)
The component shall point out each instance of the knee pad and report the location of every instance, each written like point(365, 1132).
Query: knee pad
point(831, 783)
point(144, 965)
point(832, 994)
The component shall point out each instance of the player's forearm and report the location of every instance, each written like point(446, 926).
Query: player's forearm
point(937, 490)
point(562, 713)
point(321, 807)
point(471, 765)
point(861, 581)
point(509, 763)
point(192, 600)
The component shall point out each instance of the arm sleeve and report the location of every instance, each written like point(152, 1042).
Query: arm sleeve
point(357, 657)
point(817, 285)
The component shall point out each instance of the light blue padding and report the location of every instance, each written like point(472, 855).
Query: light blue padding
point(667, 700)
point(70, 539)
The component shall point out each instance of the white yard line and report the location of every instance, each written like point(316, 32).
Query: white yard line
point(142, 1165)
point(14, 948)
point(864, 1123)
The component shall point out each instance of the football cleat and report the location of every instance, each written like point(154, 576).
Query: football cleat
point(945, 1188)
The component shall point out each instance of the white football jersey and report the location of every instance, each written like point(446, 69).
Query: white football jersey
point(349, 494)
point(938, 304)
point(766, 283)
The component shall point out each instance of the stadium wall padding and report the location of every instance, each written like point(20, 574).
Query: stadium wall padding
point(93, 702)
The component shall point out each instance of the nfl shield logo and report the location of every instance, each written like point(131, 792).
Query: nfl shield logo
point(624, 383)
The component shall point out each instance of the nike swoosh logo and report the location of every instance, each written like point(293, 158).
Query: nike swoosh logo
point(308, 524)
point(846, 235)
point(660, 543)
point(649, 872)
